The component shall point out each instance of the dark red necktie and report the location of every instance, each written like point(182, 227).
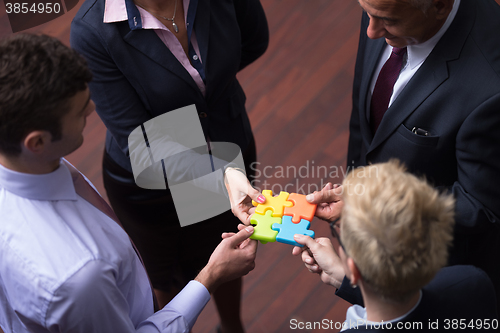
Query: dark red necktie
point(383, 87)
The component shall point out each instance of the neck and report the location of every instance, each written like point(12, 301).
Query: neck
point(157, 5)
point(24, 164)
point(378, 309)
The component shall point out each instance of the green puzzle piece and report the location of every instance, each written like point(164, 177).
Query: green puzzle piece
point(263, 227)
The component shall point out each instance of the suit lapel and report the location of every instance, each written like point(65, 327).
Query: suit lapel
point(202, 29)
point(147, 42)
point(372, 55)
point(432, 73)
point(416, 91)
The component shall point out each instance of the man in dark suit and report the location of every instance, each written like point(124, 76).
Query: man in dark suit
point(394, 239)
point(443, 116)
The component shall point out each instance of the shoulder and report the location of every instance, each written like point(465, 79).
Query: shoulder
point(91, 10)
point(461, 291)
point(482, 38)
point(459, 276)
point(88, 27)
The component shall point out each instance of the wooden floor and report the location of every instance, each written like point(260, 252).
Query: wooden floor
point(298, 99)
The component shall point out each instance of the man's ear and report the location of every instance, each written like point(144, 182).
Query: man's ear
point(37, 141)
point(442, 8)
point(350, 268)
point(354, 274)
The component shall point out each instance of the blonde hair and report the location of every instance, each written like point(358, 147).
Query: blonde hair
point(396, 228)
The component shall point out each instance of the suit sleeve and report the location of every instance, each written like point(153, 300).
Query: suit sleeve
point(254, 30)
point(354, 147)
point(478, 158)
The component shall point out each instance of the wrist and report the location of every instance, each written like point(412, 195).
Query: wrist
point(207, 278)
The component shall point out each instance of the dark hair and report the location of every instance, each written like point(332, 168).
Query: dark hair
point(38, 76)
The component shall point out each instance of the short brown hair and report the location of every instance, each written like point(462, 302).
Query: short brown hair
point(38, 76)
point(396, 228)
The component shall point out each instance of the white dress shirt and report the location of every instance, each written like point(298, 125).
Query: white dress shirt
point(356, 316)
point(415, 57)
point(67, 267)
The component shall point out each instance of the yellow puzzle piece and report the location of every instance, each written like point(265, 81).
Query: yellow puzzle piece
point(276, 204)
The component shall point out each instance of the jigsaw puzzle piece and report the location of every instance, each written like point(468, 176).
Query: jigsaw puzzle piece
point(287, 229)
point(262, 227)
point(301, 209)
point(275, 204)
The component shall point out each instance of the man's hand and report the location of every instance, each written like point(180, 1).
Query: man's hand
point(319, 257)
point(329, 201)
point(233, 258)
point(241, 193)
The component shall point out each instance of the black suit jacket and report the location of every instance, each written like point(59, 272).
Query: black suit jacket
point(458, 295)
point(455, 96)
point(137, 78)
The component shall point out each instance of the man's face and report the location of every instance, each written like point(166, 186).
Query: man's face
point(73, 123)
point(400, 23)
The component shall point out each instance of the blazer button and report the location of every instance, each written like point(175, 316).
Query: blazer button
point(202, 115)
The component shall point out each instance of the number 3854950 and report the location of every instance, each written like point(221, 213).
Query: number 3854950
point(40, 8)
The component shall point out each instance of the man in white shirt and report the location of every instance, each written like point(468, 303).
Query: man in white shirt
point(65, 263)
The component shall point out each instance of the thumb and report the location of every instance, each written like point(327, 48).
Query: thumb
point(324, 196)
point(255, 195)
point(243, 234)
point(305, 240)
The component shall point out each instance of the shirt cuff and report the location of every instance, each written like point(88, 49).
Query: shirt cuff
point(190, 301)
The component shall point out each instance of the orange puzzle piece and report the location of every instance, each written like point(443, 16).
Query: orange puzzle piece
point(276, 204)
point(301, 209)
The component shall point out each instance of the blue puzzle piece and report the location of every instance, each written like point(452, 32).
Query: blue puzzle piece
point(287, 229)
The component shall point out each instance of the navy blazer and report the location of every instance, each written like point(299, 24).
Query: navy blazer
point(455, 96)
point(458, 295)
point(137, 78)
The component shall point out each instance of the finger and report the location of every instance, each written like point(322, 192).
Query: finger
point(251, 246)
point(241, 226)
point(313, 268)
point(307, 258)
point(328, 186)
point(322, 196)
point(241, 215)
point(227, 235)
point(244, 243)
point(238, 238)
point(297, 250)
point(305, 240)
point(255, 195)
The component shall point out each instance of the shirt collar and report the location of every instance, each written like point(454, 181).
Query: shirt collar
point(138, 18)
point(418, 53)
point(57, 185)
point(122, 10)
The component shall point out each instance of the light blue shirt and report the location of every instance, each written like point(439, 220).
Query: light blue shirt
point(67, 267)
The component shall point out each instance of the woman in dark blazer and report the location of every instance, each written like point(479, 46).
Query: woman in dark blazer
point(150, 57)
